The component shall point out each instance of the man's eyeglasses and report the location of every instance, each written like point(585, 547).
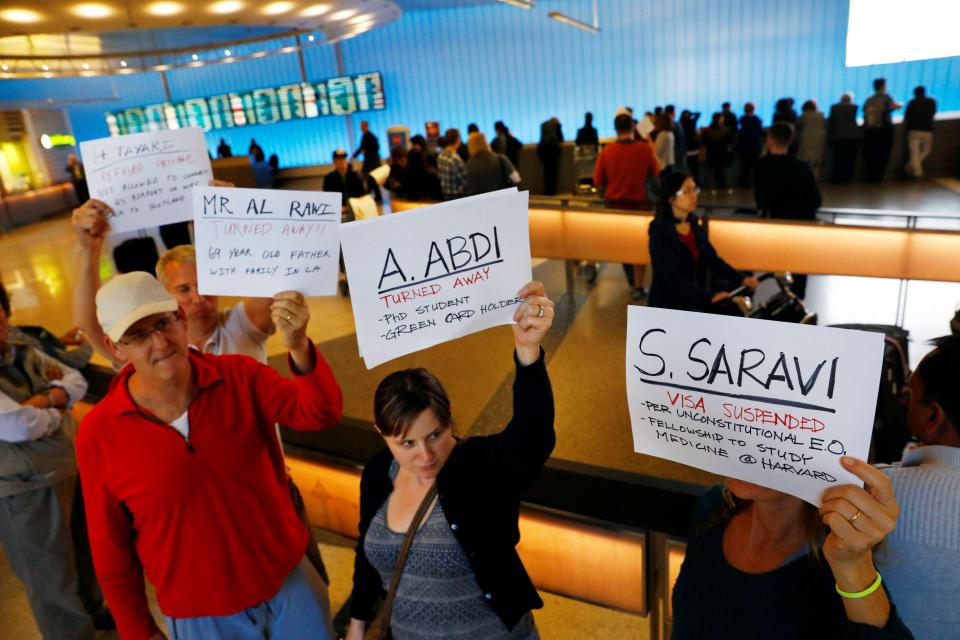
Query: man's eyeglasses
point(140, 338)
point(685, 192)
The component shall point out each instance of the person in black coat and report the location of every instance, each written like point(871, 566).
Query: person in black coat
point(587, 134)
point(784, 186)
point(463, 567)
point(343, 178)
point(682, 256)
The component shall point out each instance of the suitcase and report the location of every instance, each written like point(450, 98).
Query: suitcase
point(890, 433)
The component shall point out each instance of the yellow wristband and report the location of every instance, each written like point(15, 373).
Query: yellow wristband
point(862, 594)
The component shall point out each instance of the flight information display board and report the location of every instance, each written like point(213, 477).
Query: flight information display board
point(333, 97)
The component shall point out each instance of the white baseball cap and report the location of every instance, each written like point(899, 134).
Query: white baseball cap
point(128, 298)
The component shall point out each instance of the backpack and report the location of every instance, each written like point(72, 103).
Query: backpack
point(874, 110)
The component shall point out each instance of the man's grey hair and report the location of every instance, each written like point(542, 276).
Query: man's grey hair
point(182, 254)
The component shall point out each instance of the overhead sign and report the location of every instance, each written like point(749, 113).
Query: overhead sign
point(257, 242)
point(48, 141)
point(437, 273)
point(146, 178)
point(767, 402)
point(334, 97)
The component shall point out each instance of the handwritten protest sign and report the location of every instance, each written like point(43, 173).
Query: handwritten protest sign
point(767, 402)
point(437, 273)
point(256, 242)
point(146, 177)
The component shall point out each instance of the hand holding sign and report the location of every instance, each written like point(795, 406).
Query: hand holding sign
point(90, 223)
point(770, 403)
point(858, 518)
point(533, 319)
point(291, 315)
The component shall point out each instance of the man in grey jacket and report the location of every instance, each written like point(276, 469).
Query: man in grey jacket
point(37, 480)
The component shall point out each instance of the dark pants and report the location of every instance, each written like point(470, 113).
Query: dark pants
point(877, 144)
point(747, 161)
point(718, 175)
point(550, 157)
point(843, 161)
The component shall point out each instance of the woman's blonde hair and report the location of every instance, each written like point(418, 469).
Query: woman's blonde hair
point(477, 143)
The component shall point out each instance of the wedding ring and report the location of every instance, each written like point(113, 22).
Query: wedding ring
point(859, 513)
point(540, 313)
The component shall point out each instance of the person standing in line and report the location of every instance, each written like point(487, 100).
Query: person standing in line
point(843, 134)
point(784, 186)
point(718, 139)
point(749, 144)
point(506, 143)
point(451, 168)
point(38, 480)
point(587, 134)
point(923, 552)
point(691, 137)
point(549, 150)
point(663, 142)
point(183, 475)
point(256, 151)
point(878, 131)
point(369, 147)
point(679, 139)
point(729, 117)
point(622, 172)
point(812, 131)
point(918, 121)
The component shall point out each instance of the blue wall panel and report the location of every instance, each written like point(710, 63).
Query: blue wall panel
point(484, 63)
point(481, 64)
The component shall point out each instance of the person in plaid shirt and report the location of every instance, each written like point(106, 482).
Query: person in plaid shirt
point(451, 168)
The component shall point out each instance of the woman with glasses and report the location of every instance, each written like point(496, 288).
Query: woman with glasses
point(681, 254)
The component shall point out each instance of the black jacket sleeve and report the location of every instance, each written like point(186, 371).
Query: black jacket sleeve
point(375, 486)
point(515, 456)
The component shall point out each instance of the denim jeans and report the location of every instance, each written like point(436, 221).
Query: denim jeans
point(300, 610)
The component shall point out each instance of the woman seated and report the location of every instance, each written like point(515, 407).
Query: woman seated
point(463, 577)
point(681, 254)
point(764, 564)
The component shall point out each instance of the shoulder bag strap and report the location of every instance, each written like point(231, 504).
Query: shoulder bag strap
point(379, 627)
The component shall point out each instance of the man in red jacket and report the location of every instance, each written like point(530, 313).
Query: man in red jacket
point(183, 476)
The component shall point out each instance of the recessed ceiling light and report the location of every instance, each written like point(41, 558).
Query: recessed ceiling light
point(277, 8)
point(195, 57)
point(92, 10)
point(227, 53)
point(164, 8)
point(364, 18)
point(23, 16)
point(315, 10)
point(123, 63)
point(85, 65)
point(45, 67)
point(343, 15)
point(4, 67)
point(311, 38)
point(225, 6)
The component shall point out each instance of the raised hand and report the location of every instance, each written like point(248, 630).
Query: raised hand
point(533, 319)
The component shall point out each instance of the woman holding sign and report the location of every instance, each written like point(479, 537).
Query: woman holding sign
point(681, 253)
point(764, 564)
point(442, 513)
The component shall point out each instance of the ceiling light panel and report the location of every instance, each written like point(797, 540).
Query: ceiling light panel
point(20, 15)
point(92, 10)
point(343, 15)
point(164, 8)
point(315, 10)
point(225, 7)
point(278, 8)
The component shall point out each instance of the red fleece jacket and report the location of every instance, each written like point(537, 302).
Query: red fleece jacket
point(210, 521)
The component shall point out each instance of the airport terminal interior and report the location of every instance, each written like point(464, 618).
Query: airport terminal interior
point(299, 77)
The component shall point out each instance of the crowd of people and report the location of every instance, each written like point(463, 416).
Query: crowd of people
point(183, 477)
